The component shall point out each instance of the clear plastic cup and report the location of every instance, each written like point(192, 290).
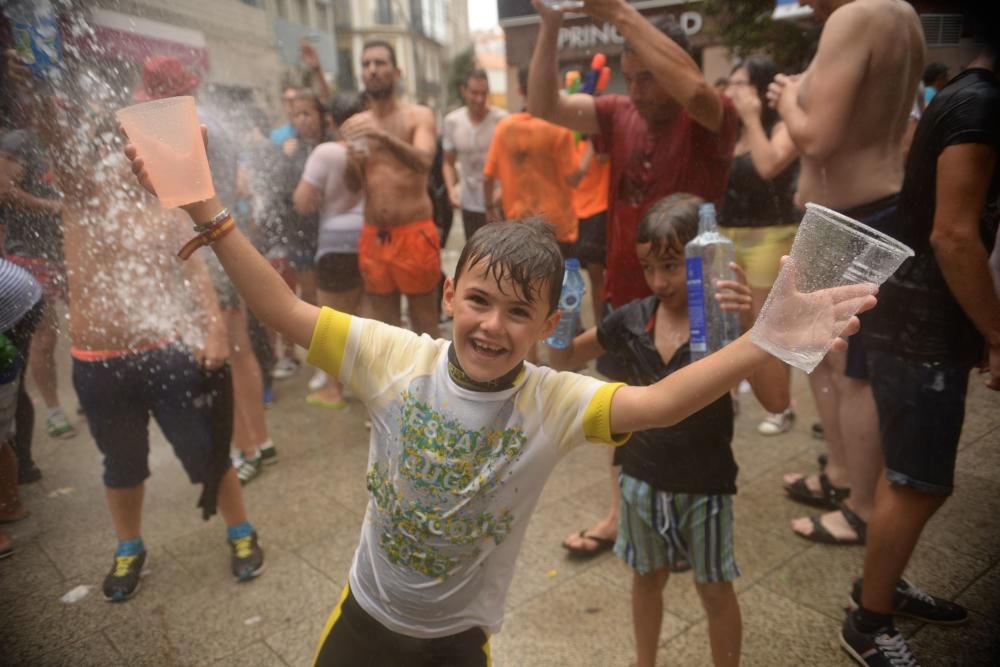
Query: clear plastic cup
point(797, 323)
point(167, 135)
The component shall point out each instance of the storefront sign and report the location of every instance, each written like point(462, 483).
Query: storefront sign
point(590, 36)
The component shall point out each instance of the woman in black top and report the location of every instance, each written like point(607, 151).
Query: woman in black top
point(759, 212)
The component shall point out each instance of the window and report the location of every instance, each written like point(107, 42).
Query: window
point(383, 12)
point(942, 29)
point(345, 70)
point(342, 14)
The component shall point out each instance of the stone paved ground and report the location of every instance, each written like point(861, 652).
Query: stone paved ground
point(308, 509)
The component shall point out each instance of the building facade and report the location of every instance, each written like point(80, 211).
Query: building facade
point(249, 49)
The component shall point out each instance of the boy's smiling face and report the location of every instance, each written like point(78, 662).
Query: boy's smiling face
point(493, 329)
point(665, 274)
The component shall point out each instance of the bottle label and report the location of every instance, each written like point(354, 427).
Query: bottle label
point(696, 305)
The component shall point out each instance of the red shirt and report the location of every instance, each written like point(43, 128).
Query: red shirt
point(682, 157)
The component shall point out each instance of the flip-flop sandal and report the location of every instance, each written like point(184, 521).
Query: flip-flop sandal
point(821, 535)
point(323, 403)
point(603, 544)
point(829, 497)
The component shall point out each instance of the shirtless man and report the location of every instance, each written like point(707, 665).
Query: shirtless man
point(399, 250)
point(137, 350)
point(847, 114)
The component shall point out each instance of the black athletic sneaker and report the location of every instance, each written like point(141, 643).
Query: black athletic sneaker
point(123, 580)
point(909, 600)
point(883, 648)
point(248, 557)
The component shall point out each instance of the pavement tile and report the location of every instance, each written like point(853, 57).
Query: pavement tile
point(983, 595)
point(332, 552)
point(778, 631)
point(542, 552)
point(258, 654)
point(763, 503)
point(580, 622)
point(982, 457)
point(969, 522)
point(37, 622)
point(819, 578)
point(34, 569)
point(973, 645)
point(92, 651)
point(297, 643)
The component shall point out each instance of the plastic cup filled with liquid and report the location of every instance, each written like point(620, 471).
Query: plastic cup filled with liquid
point(801, 318)
point(167, 135)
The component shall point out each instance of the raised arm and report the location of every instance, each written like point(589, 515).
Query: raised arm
point(963, 178)
point(671, 65)
point(258, 283)
point(577, 112)
point(810, 321)
point(831, 86)
point(770, 155)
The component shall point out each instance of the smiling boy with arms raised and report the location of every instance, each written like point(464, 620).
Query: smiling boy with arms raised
point(465, 433)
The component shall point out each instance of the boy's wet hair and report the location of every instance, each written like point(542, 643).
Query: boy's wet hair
point(670, 223)
point(524, 252)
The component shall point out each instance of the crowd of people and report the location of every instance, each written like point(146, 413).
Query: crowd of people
point(321, 226)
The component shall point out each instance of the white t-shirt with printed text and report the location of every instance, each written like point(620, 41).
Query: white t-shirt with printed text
point(453, 474)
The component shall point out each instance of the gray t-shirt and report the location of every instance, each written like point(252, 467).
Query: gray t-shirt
point(470, 142)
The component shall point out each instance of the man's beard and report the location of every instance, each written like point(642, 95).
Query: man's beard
point(381, 91)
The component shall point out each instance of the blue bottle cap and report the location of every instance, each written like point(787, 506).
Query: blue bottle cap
point(572, 263)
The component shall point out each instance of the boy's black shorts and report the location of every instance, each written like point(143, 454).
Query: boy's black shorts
point(352, 638)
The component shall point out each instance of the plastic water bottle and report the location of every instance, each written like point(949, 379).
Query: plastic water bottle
point(707, 257)
point(35, 29)
point(570, 301)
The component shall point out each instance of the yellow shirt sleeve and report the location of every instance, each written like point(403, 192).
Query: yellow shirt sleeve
point(329, 341)
point(597, 417)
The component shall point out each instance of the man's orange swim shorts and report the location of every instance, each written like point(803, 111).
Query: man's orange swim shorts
point(404, 259)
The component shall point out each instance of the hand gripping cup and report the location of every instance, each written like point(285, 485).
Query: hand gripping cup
point(167, 135)
point(802, 315)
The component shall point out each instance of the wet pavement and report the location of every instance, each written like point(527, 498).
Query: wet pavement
point(308, 509)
